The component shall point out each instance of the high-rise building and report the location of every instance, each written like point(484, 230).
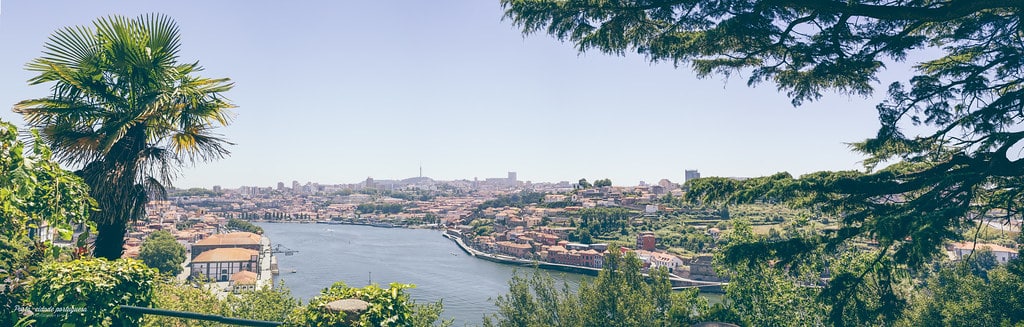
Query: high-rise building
point(295, 186)
point(512, 177)
point(280, 186)
point(691, 174)
point(216, 188)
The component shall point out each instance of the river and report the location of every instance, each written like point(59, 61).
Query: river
point(358, 254)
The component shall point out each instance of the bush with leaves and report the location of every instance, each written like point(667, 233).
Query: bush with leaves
point(267, 303)
point(174, 295)
point(89, 292)
point(387, 307)
point(33, 190)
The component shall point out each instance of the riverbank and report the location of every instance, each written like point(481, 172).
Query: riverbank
point(518, 261)
point(677, 282)
point(334, 222)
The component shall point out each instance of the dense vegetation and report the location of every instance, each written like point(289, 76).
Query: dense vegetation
point(90, 290)
point(518, 199)
point(951, 130)
point(34, 191)
point(620, 296)
point(383, 208)
point(244, 226)
point(162, 251)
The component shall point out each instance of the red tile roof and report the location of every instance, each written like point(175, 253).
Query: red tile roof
point(226, 255)
point(237, 238)
point(244, 277)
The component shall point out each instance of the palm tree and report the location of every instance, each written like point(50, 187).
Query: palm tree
point(126, 114)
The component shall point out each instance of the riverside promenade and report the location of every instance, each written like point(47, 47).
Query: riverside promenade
point(677, 281)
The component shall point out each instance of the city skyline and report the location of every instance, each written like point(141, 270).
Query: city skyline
point(291, 184)
point(337, 92)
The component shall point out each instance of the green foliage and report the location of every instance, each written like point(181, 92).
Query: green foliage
point(758, 295)
point(244, 226)
point(386, 208)
point(162, 251)
point(90, 291)
point(34, 191)
point(173, 295)
point(121, 102)
point(583, 184)
point(581, 235)
point(603, 221)
point(519, 199)
point(956, 297)
point(620, 296)
point(388, 307)
point(267, 303)
point(602, 182)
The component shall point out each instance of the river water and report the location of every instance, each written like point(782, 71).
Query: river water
point(357, 255)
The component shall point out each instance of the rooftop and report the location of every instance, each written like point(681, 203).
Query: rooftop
point(237, 238)
point(226, 255)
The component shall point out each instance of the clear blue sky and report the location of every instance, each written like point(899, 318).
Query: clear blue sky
point(337, 91)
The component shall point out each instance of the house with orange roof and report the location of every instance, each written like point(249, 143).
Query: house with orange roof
point(959, 250)
point(243, 281)
point(243, 240)
point(221, 263)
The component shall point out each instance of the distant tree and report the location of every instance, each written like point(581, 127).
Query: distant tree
point(244, 226)
point(584, 184)
point(161, 251)
point(127, 112)
point(584, 236)
point(602, 182)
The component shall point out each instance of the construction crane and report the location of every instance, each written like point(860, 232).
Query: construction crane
point(281, 249)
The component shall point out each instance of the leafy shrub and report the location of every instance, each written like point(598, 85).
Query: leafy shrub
point(89, 292)
point(266, 303)
point(388, 307)
point(173, 295)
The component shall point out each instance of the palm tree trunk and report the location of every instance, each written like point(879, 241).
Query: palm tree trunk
point(114, 186)
point(110, 240)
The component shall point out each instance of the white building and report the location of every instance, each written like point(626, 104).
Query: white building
point(959, 250)
point(221, 263)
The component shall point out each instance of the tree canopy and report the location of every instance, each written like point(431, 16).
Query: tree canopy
point(163, 252)
point(950, 132)
point(125, 111)
point(621, 295)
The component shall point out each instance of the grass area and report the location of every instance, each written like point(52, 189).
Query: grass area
point(763, 229)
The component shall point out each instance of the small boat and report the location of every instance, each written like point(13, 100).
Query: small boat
point(294, 271)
